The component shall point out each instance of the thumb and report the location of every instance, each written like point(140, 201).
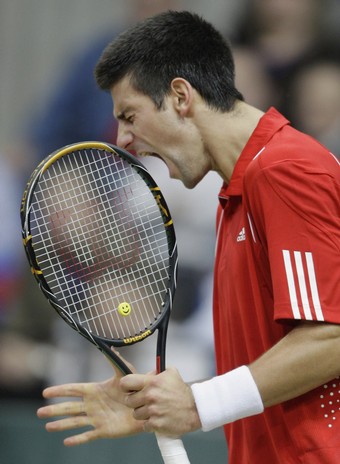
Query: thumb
point(119, 363)
point(133, 383)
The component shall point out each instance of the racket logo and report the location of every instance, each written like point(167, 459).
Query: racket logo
point(158, 199)
point(161, 204)
point(137, 338)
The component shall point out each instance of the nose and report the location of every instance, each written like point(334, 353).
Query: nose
point(124, 137)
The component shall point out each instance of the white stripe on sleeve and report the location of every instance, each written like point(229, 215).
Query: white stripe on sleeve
point(291, 284)
point(302, 285)
point(307, 285)
point(314, 288)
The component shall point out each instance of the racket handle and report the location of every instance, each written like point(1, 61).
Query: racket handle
point(172, 450)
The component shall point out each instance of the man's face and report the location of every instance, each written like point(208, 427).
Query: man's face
point(163, 133)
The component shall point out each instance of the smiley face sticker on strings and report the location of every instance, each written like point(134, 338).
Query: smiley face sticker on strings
point(124, 308)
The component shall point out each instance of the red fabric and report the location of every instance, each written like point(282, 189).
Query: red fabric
point(278, 224)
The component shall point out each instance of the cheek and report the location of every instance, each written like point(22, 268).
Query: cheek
point(172, 132)
point(167, 138)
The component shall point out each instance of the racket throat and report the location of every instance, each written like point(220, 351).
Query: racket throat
point(158, 365)
point(161, 344)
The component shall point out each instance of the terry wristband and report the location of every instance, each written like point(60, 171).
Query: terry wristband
point(227, 398)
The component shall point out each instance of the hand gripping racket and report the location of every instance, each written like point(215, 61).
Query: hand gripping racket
point(101, 243)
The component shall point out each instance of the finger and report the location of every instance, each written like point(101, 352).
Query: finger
point(67, 424)
point(133, 382)
point(118, 372)
point(141, 413)
point(134, 399)
point(61, 409)
point(70, 389)
point(81, 439)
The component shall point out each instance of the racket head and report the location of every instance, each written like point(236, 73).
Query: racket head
point(101, 243)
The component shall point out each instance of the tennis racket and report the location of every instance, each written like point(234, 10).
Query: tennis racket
point(101, 244)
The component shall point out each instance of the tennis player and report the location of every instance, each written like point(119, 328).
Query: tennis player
point(276, 296)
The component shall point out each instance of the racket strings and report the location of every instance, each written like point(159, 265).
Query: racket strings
point(86, 215)
point(71, 198)
point(126, 193)
point(100, 240)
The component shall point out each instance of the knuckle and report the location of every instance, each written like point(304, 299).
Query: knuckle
point(150, 397)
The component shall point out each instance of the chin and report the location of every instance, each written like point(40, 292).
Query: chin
point(187, 181)
point(190, 183)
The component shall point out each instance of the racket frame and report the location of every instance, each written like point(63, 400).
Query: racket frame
point(104, 344)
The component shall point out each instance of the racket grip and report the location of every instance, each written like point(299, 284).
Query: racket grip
point(172, 450)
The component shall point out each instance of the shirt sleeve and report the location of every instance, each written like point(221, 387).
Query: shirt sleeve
point(295, 208)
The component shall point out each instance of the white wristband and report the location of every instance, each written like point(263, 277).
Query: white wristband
point(227, 398)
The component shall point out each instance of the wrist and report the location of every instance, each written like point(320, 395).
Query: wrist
point(227, 398)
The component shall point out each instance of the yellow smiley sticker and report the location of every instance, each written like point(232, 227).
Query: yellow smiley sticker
point(124, 308)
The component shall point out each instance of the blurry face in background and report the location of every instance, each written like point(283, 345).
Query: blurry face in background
point(253, 80)
point(316, 95)
point(288, 13)
point(142, 9)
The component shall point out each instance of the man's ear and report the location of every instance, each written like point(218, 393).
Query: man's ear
point(182, 94)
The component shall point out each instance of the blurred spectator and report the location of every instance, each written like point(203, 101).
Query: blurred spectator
point(285, 35)
point(77, 109)
point(253, 80)
point(10, 253)
point(315, 102)
point(23, 346)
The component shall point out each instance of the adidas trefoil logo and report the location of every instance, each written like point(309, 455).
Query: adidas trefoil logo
point(242, 235)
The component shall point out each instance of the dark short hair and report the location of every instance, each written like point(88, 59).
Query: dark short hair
point(168, 45)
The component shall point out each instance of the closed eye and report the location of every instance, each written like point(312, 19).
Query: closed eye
point(124, 118)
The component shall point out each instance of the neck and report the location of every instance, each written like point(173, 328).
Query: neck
point(226, 134)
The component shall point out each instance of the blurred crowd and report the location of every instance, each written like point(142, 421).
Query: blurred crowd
point(287, 55)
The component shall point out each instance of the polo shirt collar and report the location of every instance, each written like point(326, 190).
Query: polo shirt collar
point(270, 123)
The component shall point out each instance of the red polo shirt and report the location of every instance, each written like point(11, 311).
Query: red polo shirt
point(278, 261)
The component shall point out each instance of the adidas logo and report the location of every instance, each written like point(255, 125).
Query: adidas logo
point(241, 236)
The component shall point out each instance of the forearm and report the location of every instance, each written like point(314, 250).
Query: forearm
point(306, 358)
point(303, 360)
